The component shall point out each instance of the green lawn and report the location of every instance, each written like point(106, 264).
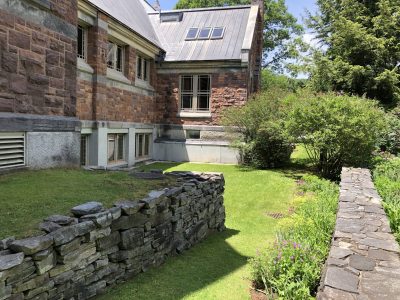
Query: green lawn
point(217, 268)
point(29, 196)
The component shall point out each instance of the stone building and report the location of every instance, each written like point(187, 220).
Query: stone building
point(113, 83)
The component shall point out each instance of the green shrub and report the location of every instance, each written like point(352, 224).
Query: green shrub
point(337, 130)
point(387, 182)
point(390, 141)
point(264, 142)
point(291, 268)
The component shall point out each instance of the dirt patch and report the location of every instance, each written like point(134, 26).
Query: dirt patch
point(257, 295)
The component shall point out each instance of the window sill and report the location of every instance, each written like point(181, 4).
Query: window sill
point(84, 66)
point(189, 114)
point(117, 76)
point(143, 84)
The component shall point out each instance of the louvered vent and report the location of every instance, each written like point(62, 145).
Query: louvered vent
point(12, 149)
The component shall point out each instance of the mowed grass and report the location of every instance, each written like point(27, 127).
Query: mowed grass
point(217, 268)
point(29, 196)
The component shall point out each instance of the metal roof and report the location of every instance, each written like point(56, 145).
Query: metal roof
point(133, 14)
point(172, 35)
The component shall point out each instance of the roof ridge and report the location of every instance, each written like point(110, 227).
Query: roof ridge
point(202, 9)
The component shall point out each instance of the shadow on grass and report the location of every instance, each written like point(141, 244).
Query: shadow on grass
point(181, 275)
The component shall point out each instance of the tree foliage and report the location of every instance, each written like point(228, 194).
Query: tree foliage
point(282, 39)
point(363, 48)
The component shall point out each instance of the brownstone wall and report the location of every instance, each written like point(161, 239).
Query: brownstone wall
point(255, 59)
point(38, 65)
point(99, 101)
point(227, 89)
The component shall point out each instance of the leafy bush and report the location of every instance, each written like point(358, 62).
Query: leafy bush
point(264, 142)
point(291, 268)
point(387, 181)
point(390, 141)
point(337, 130)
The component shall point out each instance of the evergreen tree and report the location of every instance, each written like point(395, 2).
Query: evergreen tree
point(362, 38)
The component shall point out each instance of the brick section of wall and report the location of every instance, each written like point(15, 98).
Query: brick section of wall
point(364, 261)
point(37, 67)
point(80, 256)
point(255, 59)
point(228, 89)
point(84, 104)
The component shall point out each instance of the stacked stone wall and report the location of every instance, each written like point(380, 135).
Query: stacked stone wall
point(81, 255)
point(364, 261)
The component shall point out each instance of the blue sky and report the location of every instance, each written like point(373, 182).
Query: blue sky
point(296, 7)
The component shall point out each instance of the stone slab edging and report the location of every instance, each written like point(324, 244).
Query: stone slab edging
point(364, 261)
point(81, 255)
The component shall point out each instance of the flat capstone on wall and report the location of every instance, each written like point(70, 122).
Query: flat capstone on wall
point(364, 260)
point(81, 255)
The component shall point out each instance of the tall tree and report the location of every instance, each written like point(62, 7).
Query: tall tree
point(362, 41)
point(281, 31)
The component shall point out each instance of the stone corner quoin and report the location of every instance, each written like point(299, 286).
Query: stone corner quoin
point(79, 256)
point(364, 260)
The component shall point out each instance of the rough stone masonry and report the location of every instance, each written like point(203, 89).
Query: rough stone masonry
point(79, 256)
point(364, 261)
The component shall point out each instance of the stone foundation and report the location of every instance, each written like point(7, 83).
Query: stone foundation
point(364, 261)
point(95, 248)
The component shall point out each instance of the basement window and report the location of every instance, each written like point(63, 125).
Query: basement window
point(143, 145)
point(12, 149)
point(193, 134)
point(116, 148)
point(84, 149)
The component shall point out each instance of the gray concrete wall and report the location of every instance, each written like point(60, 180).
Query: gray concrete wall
point(195, 151)
point(52, 149)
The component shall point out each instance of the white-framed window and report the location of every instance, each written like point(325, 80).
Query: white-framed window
point(143, 145)
point(84, 149)
point(195, 93)
point(12, 149)
point(193, 134)
point(116, 147)
point(115, 56)
point(82, 42)
point(142, 68)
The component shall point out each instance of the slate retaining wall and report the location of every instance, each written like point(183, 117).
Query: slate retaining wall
point(80, 256)
point(364, 261)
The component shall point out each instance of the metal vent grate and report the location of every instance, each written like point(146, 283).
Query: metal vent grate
point(12, 149)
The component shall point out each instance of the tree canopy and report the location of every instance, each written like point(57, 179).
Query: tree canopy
point(362, 40)
point(281, 30)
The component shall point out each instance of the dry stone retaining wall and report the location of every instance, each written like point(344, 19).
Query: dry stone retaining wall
point(364, 261)
point(80, 256)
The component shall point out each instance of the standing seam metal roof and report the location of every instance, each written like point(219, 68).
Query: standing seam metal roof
point(133, 14)
point(172, 35)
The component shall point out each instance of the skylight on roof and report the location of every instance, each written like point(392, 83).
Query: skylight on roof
point(192, 34)
point(204, 33)
point(217, 33)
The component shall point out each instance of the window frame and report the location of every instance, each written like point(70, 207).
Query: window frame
point(142, 147)
point(117, 137)
point(144, 68)
point(195, 37)
point(86, 157)
point(115, 48)
point(195, 93)
point(217, 37)
point(84, 42)
point(208, 36)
